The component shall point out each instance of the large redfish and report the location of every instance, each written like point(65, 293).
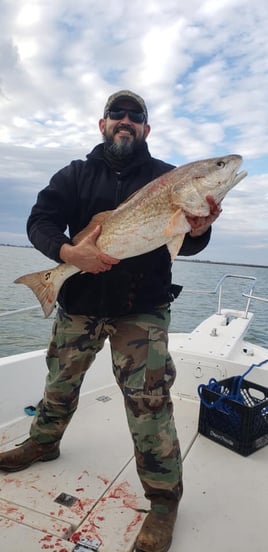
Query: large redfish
point(150, 218)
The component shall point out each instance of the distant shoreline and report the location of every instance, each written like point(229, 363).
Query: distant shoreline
point(176, 259)
point(12, 245)
point(218, 262)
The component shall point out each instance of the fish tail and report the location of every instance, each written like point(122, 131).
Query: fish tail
point(45, 285)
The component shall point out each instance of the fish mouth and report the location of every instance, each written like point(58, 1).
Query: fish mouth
point(239, 176)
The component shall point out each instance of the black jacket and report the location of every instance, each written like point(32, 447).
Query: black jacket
point(73, 196)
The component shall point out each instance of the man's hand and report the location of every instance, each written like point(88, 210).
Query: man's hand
point(86, 255)
point(201, 224)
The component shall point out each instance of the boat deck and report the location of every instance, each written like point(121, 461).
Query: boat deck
point(92, 491)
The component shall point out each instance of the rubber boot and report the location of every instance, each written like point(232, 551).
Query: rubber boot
point(28, 453)
point(156, 532)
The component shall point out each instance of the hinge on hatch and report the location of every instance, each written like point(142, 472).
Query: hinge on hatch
point(86, 545)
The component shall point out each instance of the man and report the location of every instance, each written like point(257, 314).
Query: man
point(127, 302)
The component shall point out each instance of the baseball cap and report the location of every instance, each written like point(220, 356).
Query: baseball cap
point(125, 95)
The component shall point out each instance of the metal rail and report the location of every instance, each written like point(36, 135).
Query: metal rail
point(218, 289)
point(16, 311)
point(255, 297)
point(219, 286)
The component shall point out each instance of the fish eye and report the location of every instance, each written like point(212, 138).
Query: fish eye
point(221, 164)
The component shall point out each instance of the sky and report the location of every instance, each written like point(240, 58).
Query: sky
point(201, 66)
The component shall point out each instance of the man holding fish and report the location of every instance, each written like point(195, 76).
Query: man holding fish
point(114, 281)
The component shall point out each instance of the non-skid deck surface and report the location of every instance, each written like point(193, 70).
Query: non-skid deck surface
point(92, 491)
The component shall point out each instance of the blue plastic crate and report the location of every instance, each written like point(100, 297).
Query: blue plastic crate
point(240, 424)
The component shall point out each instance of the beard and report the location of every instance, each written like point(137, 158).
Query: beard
point(125, 146)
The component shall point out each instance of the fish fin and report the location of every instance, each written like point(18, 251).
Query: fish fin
point(45, 286)
point(99, 218)
point(177, 224)
point(174, 245)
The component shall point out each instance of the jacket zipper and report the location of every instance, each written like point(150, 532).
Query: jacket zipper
point(118, 194)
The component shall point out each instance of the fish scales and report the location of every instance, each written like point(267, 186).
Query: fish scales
point(145, 213)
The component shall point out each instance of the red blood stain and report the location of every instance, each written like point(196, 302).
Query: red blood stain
point(104, 480)
point(10, 510)
point(85, 472)
point(46, 538)
point(121, 491)
point(10, 480)
point(90, 530)
point(134, 522)
point(76, 537)
point(130, 502)
point(80, 506)
point(47, 545)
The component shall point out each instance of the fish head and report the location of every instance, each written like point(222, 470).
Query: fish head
point(210, 177)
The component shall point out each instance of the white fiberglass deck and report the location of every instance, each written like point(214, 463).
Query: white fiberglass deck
point(92, 490)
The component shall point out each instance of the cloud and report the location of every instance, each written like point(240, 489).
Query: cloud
point(201, 66)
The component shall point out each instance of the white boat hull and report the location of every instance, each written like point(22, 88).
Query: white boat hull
point(91, 495)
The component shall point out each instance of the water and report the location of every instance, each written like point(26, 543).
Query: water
point(28, 331)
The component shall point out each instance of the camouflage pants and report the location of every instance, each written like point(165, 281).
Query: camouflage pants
point(144, 372)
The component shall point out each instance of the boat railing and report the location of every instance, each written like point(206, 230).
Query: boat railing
point(219, 290)
point(264, 299)
point(17, 311)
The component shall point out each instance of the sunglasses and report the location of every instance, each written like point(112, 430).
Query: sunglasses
point(134, 116)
